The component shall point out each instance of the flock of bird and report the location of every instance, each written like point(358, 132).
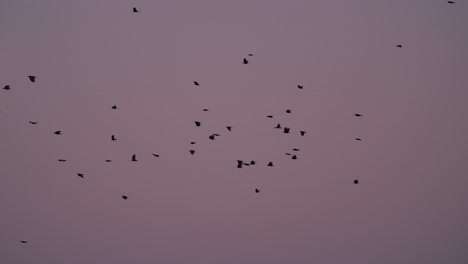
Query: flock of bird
point(240, 163)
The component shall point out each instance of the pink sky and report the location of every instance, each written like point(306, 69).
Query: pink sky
point(410, 204)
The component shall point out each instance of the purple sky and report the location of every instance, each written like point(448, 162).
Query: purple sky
point(410, 204)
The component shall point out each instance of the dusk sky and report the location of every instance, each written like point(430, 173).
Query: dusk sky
point(410, 206)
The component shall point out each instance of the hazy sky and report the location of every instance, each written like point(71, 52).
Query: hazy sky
point(410, 204)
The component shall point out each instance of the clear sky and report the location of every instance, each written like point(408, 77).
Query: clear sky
point(408, 208)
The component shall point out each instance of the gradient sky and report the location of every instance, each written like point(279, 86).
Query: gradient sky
point(410, 205)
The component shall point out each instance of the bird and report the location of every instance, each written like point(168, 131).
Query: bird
point(196, 83)
point(246, 164)
point(134, 158)
point(229, 128)
point(303, 133)
point(278, 126)
point(113, 138)
point(205, 110)
point(239, 163)
point(270, 164)
point(62, 160)
point(286, 130)
point(135, 10)
point(108, 160)
point(288, 111)
point(300, 86)
point(156, 155)
point(355, 181)
point(245, 61)
point(80, 175)
point(252, 162)
point(58, 132)
point(294, 157)
point(124, 197)
point(451, 2)
point(114, 107)
point(197, 123)
point(399, 46)
point(358, 139)
point(257, 190)
point(250, 54)
point(296, 149)
point(358, 115)
point(192, 151)
point(212, 137)
point(32, 78)
point(287, 153)
point(24, 241)
point(6, 87)
point(192, 143)
point(31, 122)
point(216, 135)
point(269, 116)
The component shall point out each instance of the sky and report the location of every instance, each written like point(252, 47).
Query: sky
point(410, 203)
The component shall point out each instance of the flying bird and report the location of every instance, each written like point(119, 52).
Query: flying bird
point(451, 2)
point(192, 151)
point(32, 78)
point(270, 164)
point(287, 153)
point(62, 160)
point(135, 10)
point(58, 132)
point(134, 157)
point(286, 130)
point(278, 126)
point(252, 162)
point(156, 155)
point(193, 142)
point(216, 135)
point(303, 133)
point(358, 115)
point(229, 128)
point(250, 54)
point(288, 111)
point(196, 83)
point(197, 123)
point(239, 163)
point(269, 116)
point(358, 139)
point(113, 138)
point(108, 160)
point(295, 149)
point(31, 122)
point(294, 157)
point(245, 61)
point(6, 87)
point(212, 137)
point(300, 86)
point(205, 110)
point(124, 197)
point(246, 164)
point(114, 107)
point(257, 190)
point(80, 175)
point(24, 241)
point(355, 181)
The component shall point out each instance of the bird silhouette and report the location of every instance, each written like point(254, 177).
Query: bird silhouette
point(250, 54)
point(134, 158)
point(197, 123)
point(24, 241)
point(288, 111)
point(62, 160)
point(245, 61)
point(32, 78)
point(114, 107)
point(58, 132)
point(156, 155)
point(192, 151)
point(196, 83)
point(252, 162)
point(135, 10)
point(108, 160)
point(451, 2)
point(296, 149)
point(205, 110)
point(286, 130)
point(270, 164)
point(212, 137)
point(257, 190)
point(229, 128)
point(358, 115)
point(355, 181)
point(269, 116)
point(6, 87)
point(246, 164)
point(192, 143)
point(113, 138)
point(399, 46)
point(302, 133)
point(278, 126)
point(31, 122)
point(80, 175)
point(124, 197)
point(300, 86)
point(287, 153)
point(358, 139)
point(294, 157)
point(239, 163)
